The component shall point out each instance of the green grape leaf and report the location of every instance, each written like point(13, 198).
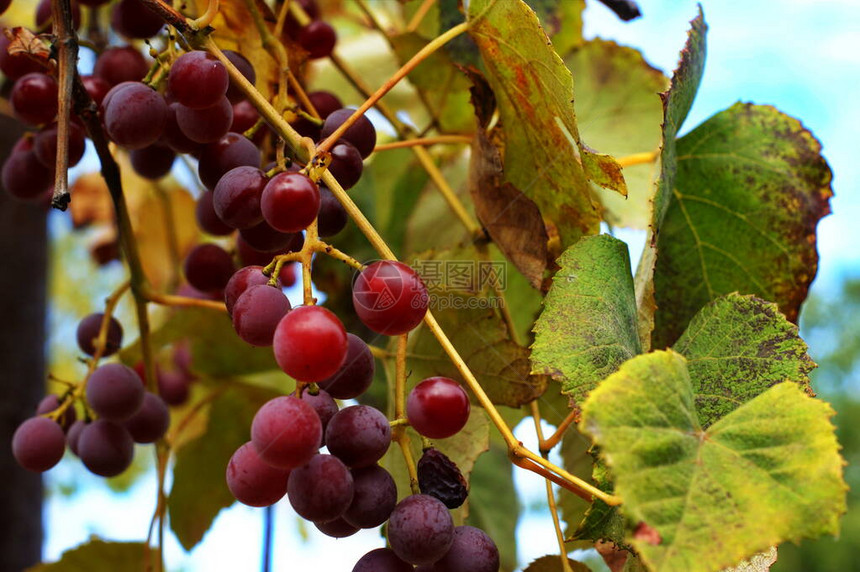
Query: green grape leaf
point(588, 325)
point(534, 91)
point(618, 111)
point(439, 83)
point(750, 188)
point(767, 472)
point(100, 556)
point(552, 563)
point(216, 350)
point(577, 461)
point(603, 522)
point(562, 21)
point(677, 101)
point(737, 347)
point(199, 489)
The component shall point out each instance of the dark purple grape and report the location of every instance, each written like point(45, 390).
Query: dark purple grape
point(52, 402)
point(286, 432)
point(420, 529)
point(198, 80)
point(117, 65)
point(237, 197)
point(257, 312)
point(207, 219)
point(173, 387)
point(250, 256)
point(34, 98)
point(208, 267)
point(134, 115)
point(208, 124)
point(355, 375)
point(358, 435)
point(318, 38)
point(43, 14)
point(134, 20)
point(231, 151)
point(115, 391)
point(151, 421)
point(381, 560)
point(374, 498)
point(38, 444)
point(245, 116)
point(337, 528)
point(264, 238)
point(88, 331)
point(73, 436)
point(234, 94)
point(106, 448)
point(361, 134)
point(45, 145)
point(253, 481)
point(15, 66)
point(439, 476)
point(471, 551)
point(332, 216)
point(292, 26)
point(23, 176)
point(325, 102)
point(290, 202)
point(346, 164)
point(173, 136)
point(153, 162)
point(243, 279)
point(320, 490)
point(97, 87)
point(324, 405)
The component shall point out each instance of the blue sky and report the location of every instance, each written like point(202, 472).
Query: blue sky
point(803, 56)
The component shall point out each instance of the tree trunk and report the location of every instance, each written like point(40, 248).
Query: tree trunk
point(23, 271)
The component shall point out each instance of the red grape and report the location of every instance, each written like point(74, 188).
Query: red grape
point(257, 312)
point(324, 405)
point(231, 151)
point(38, 444)
point(153, 162)
point(234, 94)
point(264, 238)
point(134, 20)
point(43, 14)
point(96, 86)
point(173, 136)
point(134, 115)
point(117, 65)
point(243, 279)
point(332, 216)
point(310, 343)
point(381, 560)
point(197, 80)
point(471, 551)
point(23, 176)
point(207, 124)
point(15, 66)
point(115, 392)
point(286, 432)
point(207, 219)
point(420, 529)
point(34, 98)
point(290, 202)
point(346, 164)
point(318, 38)
point(253, 481)
point(389, 297)
point(45, 145)
point(337, 528)
point(355, 375)
point(320, 490)
point(437, 407)
point(245, 116)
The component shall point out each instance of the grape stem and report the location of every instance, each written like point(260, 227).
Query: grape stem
point(546, 445)
point(67, 56)
point(203, 21)
point(550, 495)
point(637, 159)
point(184, 301)
point(398, 431)
point(425, 142)
point(418, 16)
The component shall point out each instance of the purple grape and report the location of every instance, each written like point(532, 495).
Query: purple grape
point(198, 80)
point(264, 238)
point(361, 134)
point(471, 551)
point(320, 490)
point(74, 435)
point(52, 402)
point(243, 279)
point(208, 124)
point(346, 164)
point(237, 197)
point(286, 432)
point(151, 421)
point(38, 444)
point(337, 528)
point(257, 312)
point(324, 405)
point(358, 435)
point(420, 529)
point(207, 218)
point(253, 481)
point(234, 94)
point(231, 151)
point(106, 448)
point(34, 98)
point(381, 560)
point(45, 145)
point(208, 267)
point(355, 375)
point(173, 136)
point(117, 65)
point(132, 19)
point(115, 392)
point(332, 216)
point(88, 331)
point(153, 162)
point(134, 115)
point(374, 498)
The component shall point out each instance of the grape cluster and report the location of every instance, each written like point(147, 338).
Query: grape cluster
point(118, 412)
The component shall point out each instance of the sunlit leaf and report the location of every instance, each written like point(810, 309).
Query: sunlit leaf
point(100, 556)
point(767, 472)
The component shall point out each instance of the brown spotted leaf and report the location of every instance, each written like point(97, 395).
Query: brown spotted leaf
point(750, 188)
point(534, 94)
